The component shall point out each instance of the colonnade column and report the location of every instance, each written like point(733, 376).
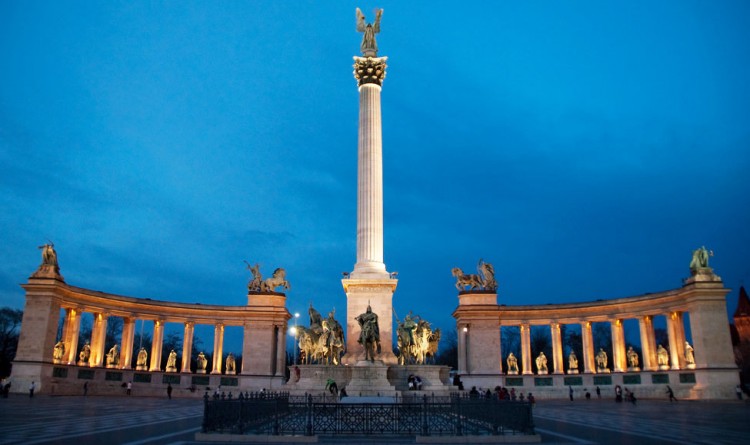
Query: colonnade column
point(676, 344)
point(588, 347)
point(462, 365)
point(219, 348)
point(526, 349)
point(156, 345)
point(72, 328)
point(557, 352)
point(98, 337)
point(187, 346)
point(618, 345)
point(648, 347)
point(126, 348)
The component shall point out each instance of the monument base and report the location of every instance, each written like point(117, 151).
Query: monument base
point(572, 371)
point(369, 379)
point(663, 367)
point(690, 366)
point(603, 371)
point(513, 372)
point(139, 368)
point(171, 369)
point(544, 372)
point(200, 371)
point(231, 373)
point(633, 368)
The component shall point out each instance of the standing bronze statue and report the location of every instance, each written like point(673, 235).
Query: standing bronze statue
point(369, 47)
point(369, 337)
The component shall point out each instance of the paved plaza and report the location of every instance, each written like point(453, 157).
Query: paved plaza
point(141, 420)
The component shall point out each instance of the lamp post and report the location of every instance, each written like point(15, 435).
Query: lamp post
point(295, 332)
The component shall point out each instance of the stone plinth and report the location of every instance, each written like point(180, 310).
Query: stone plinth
point(369, 379)
point(435, 379)
point(572, 371)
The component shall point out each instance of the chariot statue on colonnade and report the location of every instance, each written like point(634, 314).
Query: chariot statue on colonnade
point(323, 342)
point(258, 284)
point(483, 280)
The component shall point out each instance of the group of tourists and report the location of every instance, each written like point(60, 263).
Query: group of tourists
point(501, 393)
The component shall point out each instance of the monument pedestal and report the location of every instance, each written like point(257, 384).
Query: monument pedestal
point(572, 371)
point(376, 292)
point(370, 379)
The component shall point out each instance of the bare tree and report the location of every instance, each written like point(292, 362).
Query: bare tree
point(10, 323)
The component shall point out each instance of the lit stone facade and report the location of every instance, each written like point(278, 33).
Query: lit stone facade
point(713, 375)
point(264, 321)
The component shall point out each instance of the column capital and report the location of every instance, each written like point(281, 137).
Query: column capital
point(369, 70)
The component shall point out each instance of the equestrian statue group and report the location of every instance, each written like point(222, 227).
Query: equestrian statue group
point(483, 280)
point(323, 342)
point(417, 342)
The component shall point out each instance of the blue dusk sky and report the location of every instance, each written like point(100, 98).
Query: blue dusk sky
point(585, 149)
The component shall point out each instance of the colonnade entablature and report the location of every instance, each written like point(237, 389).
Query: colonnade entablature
point(702, 299)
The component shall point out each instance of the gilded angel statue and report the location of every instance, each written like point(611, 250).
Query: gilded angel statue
point(369, 47)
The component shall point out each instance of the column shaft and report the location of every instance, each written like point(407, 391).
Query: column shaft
point(126, 348)
point(280, 350)
point(218, 348)
point(156, 345)
point(675, 358)
point(526, 349)
point(73, 328)
point(588, 348)
point(618, 346)
point(98, 338)
point(187, 347)
point(462, 368)
point(648, 343)
point(557, 349)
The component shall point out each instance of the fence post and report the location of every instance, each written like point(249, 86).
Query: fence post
point(459, 426)
point(205, 413)
point(425, 428)
point(309, 431)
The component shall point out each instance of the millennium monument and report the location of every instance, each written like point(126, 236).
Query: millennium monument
point(358, 354)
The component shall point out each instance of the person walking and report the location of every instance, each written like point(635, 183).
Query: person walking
point(130, 387)
point(32, 387)
point(570, 392)
point(85, 388)
point(169, 391)
point(598, 393)
point(670, 393)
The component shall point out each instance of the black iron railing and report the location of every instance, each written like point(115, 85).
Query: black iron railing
point(280, 414)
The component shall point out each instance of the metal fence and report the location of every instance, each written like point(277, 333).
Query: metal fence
point(280, 414)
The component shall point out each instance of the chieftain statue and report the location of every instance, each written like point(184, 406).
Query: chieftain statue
point(113, 357)
point(369, 47)
point(416, 340)
point(58, 352)
point(369, 336)
point(141, 362)
point(484, 280)
point(323, 342)
point(700, 259)
point(49, 267)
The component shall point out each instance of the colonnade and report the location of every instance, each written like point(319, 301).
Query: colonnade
point(479, 320)
point(98, 348)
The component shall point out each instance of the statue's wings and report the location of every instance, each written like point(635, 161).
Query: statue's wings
point(376, 25)
point(360, 21)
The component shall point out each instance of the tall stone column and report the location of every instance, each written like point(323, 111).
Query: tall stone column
point(98, 338)
point(156, 345)
point(218, 348)
point(588, 348)
point(280, 333)
point(557, 349)
point(648, 343)
point(526, 349)
point(618, 346)
point(369, 284)
point(72, 330)
point(187, 346)
point(126, 349)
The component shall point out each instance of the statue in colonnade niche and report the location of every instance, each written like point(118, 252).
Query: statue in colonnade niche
point(58, 352)
point(633, 364)
point(202, 363)
point(689, 356)
point(700, 259)
point(369, 336)
point(140, 362)
point(113, 356)
point(541, 364)
point(601, 361)
point(483, 280)
point(512, 364)
point(572, 363)
point(84, 355)
point(172, 361)
point(230, 364)
point(662, 357)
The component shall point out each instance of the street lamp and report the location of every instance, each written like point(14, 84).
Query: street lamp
point(294, 331)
